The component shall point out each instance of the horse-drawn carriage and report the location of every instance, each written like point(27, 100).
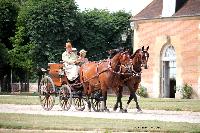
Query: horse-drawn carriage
point(55, 83)
point(95, 79)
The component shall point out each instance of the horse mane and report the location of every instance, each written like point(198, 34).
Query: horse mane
point(113, 52)
point(115, 59)
point(132, 56)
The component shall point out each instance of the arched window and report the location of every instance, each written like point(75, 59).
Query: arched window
point(169, 55)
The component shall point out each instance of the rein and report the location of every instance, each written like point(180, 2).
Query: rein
point(109, 68)
point(132, 74)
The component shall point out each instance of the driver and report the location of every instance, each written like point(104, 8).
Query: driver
point(70, 58)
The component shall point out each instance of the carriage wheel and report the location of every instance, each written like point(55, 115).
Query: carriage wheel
point(47, 93)
point(65, 97)
point(79, 103)
point(96, 104)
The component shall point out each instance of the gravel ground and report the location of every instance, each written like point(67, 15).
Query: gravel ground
point(160, 115)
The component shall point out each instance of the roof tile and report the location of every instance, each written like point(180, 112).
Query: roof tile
point(154, 10)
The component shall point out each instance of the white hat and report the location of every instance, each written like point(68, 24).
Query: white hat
point(82, 51)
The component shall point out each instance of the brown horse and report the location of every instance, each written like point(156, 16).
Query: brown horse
point(103, 75)
point(139, 60)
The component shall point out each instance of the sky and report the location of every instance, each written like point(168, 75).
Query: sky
point(133, 6)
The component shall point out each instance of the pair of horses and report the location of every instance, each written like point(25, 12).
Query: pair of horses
point(122, 69)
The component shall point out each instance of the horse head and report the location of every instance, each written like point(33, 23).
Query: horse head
point(145, 57)
point(140, 57)
point(121, 59)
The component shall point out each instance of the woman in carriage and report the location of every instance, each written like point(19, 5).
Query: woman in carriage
point(70, 59)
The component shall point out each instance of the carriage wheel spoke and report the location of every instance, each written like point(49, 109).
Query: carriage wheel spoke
point(46, 98)
point(47, 103)
point(42, 99)
point(50, 101)
point(64, 98)
point(77, 102)
point(62, 103)
point(80, 102)
point(65, 104)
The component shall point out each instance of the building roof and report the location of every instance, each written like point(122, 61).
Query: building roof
point(191, 8)
point(154, 10)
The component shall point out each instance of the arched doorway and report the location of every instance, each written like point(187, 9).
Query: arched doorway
point(168, 69)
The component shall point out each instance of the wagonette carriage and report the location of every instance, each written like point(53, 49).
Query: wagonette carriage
point(95, 79)
point(54, 83)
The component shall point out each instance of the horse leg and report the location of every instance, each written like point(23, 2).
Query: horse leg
point(135, 97)
point(129, 100)
point(87, 93)
point(119, 100)
point(105, 107)
point(104, 95)
point(116, 105)
point(137, 105)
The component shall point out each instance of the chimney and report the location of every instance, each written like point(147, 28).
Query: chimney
point(169, 7)
point(180, 4)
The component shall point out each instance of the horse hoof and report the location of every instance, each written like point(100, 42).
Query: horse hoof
point(107, 110)
point(124, 111)
point(115, 108)
point(121, 110)
point(139, 110)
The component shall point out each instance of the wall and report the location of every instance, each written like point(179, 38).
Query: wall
point(184, 34)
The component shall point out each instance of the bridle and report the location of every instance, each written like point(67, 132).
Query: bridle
point(144, 58)
point(120, 65)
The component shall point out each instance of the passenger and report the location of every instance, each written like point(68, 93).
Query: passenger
point(70, 59)
point(82, 59)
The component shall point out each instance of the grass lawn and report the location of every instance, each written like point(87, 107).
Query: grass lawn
point(145, 103)
point(40, 122)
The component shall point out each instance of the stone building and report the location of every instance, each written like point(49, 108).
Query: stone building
point(171, 28)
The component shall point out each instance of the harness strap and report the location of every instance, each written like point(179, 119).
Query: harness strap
point(98, 68)
point(109, 68)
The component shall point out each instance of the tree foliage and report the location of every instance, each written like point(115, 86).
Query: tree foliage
point(44, 26)
point(3, 54)
point(21, 56)
point(8, 17)
point(102, 30)
point(48, 24)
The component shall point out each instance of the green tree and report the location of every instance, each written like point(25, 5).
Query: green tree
point(21, 55)
point(43, 28)
point(3, 54)
point(101, 31)
point(48, 23)
point(8, 16)
point(3, 67)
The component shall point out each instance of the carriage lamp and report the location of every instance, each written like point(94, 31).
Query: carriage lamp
point(124, 36)
point(132, 24)
point(61, 72)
